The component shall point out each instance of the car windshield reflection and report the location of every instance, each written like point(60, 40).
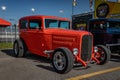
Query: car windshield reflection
point(51, 23)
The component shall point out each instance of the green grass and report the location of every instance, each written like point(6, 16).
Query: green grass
point(5, 45)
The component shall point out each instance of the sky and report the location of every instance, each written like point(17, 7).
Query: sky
point(15, 9)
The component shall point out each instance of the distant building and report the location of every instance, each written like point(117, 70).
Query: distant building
point(8, 32)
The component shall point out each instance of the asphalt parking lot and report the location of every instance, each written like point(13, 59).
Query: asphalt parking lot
point(33, 67)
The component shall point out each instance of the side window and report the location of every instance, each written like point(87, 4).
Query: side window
point(23, 24)
point(34, 24)
point(50, 23)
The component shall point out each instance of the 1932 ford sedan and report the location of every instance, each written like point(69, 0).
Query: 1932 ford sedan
point(51, 37)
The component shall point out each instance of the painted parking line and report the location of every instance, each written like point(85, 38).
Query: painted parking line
point(94, 74)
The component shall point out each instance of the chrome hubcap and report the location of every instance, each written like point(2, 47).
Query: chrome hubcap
point(59, 60)
point(16, 48)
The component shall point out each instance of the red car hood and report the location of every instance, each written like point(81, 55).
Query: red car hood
point(66, 32)
point(63, 37)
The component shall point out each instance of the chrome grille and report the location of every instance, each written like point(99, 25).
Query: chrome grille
point(86, 49)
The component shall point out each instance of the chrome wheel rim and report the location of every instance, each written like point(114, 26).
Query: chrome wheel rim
point(16, 48)
point(21, 49)
point(59, 60)
point(102, 55)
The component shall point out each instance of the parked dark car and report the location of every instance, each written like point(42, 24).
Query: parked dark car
point(106, 32)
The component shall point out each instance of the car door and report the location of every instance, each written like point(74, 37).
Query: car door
point(35, 35)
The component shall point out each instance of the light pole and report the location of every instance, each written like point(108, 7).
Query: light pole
point(91, 4)
point(14, 25)
point(74, 3)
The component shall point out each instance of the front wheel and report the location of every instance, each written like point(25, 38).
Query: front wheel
point(103, 54)
point(62, 60)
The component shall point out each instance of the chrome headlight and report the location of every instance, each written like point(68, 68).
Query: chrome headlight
point(75, 51)
point(95, 49)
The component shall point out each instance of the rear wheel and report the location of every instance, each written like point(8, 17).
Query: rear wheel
point(62, 60)
point(19, 48)
point(103, 54)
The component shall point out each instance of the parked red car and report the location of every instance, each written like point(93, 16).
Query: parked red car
point(51, 37)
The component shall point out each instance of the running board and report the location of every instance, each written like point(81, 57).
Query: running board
point(48, 51)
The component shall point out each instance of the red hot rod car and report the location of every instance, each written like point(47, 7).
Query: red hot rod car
point(50, 36)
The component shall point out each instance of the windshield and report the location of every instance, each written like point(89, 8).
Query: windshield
point(114, 24)
point(113, 27)
point(109, 26)
point(51, 23)
point(97, 25)
point(104, 24)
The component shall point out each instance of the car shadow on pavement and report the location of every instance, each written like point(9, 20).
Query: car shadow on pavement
point(37, 58)
point(8, 52)
point(80, 67)
point(46, 67)
point(115, 57)
point(30, 56)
